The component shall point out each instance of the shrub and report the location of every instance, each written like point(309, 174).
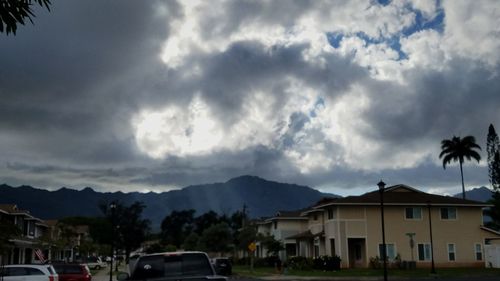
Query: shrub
point(300, 263)
point(327, 263)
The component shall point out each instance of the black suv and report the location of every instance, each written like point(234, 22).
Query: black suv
point(173, 266)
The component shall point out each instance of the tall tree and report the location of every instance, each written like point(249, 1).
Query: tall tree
point(131, 229)
point(493, 147)
point(14, 12)
point(459, 149)
point(205, 220)
point(216, 238)
point(176, 226)
point(8, 231)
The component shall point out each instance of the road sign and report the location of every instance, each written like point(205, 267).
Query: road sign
point(252, 247)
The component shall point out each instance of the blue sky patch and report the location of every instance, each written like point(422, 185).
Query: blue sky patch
point(420, 23)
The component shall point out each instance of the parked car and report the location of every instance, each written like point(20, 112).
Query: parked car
point(31, 272)
point(182, 266)
point(95, 263)
point(73, 272)
point(222, 266)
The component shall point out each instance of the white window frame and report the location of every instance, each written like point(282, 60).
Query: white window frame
point(413, 213)
point(427, 248)
point(387, 246)
point(454, 252)
point(448, 208)
point(478, 252)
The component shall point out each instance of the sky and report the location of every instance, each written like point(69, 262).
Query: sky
point(337, 95)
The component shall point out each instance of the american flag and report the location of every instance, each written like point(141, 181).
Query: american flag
point(40, 255)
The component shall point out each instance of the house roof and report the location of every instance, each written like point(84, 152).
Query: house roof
point(13, 210)
point(400, 195)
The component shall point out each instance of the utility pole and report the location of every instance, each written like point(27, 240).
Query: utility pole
point(243, 217)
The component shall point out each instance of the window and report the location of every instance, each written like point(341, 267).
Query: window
point(315, 217)
point(448, 213)
point(479, 252)
point(451, 252)
point(413, 213)
point(424, 252)
point(331, 214)
point(391, 251)
point(275, 223)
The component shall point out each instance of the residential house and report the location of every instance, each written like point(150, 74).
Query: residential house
point(25, 246)
point(350, 227)
point(282, 226)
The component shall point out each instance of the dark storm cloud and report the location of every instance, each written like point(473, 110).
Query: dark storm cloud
point(436, 104)
point(66, 81)
point(259, 160)
point(247, 67)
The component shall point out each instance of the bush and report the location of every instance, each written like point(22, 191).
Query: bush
point(300, 263)
point(327, 263)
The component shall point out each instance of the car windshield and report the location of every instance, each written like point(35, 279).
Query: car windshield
point(159, 266)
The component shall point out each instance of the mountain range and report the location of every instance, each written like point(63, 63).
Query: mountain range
point(261, 198)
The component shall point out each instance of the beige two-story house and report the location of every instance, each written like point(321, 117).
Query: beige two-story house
point(350, 227)
point(282, 226)
point(23, 248)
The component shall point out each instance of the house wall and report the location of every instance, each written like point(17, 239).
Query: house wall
point(315, 226)
point(464, 233)
point(364, 222)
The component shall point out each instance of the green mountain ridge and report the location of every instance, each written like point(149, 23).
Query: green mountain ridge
point(262, 198)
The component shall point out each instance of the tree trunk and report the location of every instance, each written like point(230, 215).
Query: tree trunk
point(463, 186)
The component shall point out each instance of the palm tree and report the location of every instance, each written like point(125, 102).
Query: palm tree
point(458, 149)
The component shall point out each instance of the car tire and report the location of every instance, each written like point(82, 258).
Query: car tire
point(97, 267)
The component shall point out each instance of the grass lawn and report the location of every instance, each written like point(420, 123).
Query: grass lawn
point(441, 272)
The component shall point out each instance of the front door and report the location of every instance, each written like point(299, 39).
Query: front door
point(357, 252)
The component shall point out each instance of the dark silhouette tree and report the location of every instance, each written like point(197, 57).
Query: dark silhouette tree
point(14, 12)
point(131, 230)
point(205, 221)
point(176, 226)
point(459, 149)
point(216, 239)
point(191, 243)
point(492, 148)
point(272, 245)
point(8, 231)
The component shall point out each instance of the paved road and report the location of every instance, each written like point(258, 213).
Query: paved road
point(103, 275)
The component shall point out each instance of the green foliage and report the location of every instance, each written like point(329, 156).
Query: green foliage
point(458, 150)
point(216, 238)
point(205, 221)
point(272, 245)
point(191, 242)
point(300, 263)
point(14, 12)
point(326, 263)
point(155, 248)
point(176, 226)
point(246, 236)
point(8, 230)
point(493, 150)
point(131, 230)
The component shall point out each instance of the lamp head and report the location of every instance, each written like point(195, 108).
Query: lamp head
point(381, 185)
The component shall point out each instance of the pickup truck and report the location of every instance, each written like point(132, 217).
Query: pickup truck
point(185, 266)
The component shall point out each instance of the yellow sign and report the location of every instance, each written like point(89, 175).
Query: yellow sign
point(252, 247)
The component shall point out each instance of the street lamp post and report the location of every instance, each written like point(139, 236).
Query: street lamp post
point(433, 268)
point(381, 186)
point(112, 207)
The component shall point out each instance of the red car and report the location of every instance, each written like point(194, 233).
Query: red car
point(73, 272)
